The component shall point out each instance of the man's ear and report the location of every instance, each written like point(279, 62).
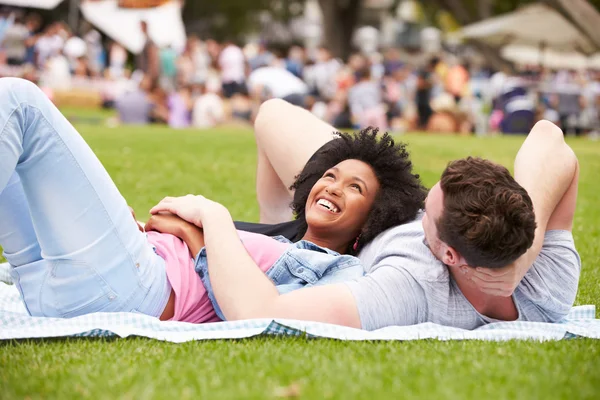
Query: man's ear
point(451, 257)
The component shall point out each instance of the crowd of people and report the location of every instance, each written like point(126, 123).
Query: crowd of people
point(210, 83)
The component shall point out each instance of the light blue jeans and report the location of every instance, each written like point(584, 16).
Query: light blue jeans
point(65, 229)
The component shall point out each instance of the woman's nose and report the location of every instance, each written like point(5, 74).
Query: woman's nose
point(334, 190)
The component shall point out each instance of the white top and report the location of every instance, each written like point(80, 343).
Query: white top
point(48, 46)
point(232, 64)
point(278, 81)
point(208, 111)
point(324, 74)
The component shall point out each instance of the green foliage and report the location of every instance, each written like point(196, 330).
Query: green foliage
point(229, 19)
point(150, 163)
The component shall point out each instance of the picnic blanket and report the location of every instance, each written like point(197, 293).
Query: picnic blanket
point(15, 323)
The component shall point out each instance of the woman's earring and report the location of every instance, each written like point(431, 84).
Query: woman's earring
point(356, 243)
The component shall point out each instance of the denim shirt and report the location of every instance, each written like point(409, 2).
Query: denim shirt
point(302, 264)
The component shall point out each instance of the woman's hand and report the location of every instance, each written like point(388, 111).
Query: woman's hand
point(174, 225)
point(168, 223)
point(190, 208)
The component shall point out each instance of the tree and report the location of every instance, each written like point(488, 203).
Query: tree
point(222, 19)
point(226, 18)
point(340, 18)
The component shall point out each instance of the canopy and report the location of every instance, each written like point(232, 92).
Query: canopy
point(165, 25)
point(523, 55)
point(536, 25)
point(47, 4)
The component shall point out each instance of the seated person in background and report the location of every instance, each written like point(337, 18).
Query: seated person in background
point(365, 101)
point(209, 109)
point(444, 118)
point(134, 106)
point(241, 108)
point(275, 81)
point(180, 107)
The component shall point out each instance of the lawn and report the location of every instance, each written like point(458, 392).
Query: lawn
point(150, 163)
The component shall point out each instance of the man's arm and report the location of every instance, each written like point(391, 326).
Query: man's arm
point(548, 169)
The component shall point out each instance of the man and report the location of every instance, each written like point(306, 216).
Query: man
point(277, 82)
point(232, 64)
point(478, 254)
point(148, 61)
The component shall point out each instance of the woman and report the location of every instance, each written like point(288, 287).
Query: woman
point(85, 253)
point(352, 189)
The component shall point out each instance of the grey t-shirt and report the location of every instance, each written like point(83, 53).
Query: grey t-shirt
point(405, 284)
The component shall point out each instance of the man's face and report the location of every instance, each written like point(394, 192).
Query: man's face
point(434, 206)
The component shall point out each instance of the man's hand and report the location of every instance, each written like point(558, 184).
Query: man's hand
point(500, 282)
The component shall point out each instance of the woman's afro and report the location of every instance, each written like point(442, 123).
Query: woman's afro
point(401, 194)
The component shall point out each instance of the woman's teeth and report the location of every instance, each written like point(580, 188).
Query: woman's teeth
point(328, 205)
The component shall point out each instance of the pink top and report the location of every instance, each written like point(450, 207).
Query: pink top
point(191, 300)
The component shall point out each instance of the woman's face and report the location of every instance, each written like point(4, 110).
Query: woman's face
point(339, 203)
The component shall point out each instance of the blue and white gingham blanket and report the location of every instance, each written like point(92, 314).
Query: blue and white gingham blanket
point(15, 323)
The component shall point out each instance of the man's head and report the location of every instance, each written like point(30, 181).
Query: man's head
point(478, 215)
point(324, 54)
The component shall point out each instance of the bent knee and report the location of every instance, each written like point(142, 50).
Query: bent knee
point(17, 84)
point(19, 89)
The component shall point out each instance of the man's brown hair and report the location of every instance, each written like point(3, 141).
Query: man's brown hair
point(487, 217)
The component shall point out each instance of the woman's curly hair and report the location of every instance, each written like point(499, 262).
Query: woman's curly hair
point(401, 194)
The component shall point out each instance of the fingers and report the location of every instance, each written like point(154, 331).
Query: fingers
point(502, 289)
point(165, 204)
point(490, 278)
point(494, 272)
point(491, 282)
point(157, 221)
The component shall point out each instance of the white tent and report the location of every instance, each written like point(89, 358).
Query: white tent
point(47, 4)
point(537, 25)
point(165, 25)
point(529, 55)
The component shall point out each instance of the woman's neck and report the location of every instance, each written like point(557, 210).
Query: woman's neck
point(330, 244)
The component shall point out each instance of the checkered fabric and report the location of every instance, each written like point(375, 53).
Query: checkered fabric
point(15, 323)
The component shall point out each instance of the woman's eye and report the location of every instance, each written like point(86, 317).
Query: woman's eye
point(329, 175)
point(357, 187)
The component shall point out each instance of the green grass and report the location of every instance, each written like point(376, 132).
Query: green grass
point(150, 163)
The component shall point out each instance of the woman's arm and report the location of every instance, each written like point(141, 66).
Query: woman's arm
point(176, 226)
point(244, 292)
point(240, 287)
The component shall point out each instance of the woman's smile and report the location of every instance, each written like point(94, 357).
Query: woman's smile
point(328, 205)
point(340, 201)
